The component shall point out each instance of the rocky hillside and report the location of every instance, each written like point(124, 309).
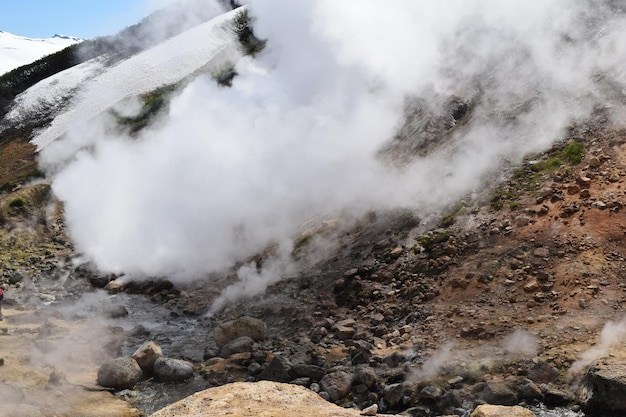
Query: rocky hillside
point(498, 301)
point(508, 302)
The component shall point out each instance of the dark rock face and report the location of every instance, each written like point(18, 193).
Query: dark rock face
point(119, 373)
point(278, 370)
point(603, 388)
point(172, 370)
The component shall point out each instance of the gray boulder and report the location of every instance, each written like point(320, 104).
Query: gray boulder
point(238, 345)
point(393, 394)
point(496, 393)
point(244, 326)
point(365, 375)
point(603, 388)
point(278, 370)
point(119, 373)
point(146, 355)
point(172, 370)
point(336, 384)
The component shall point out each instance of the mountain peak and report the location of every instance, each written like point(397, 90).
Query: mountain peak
point(65, 37)
point(16, 50)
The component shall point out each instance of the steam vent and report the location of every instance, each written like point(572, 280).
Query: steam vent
point(316, 208)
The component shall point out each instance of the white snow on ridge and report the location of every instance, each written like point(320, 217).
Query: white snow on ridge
point(16, 51)
point(100, 88)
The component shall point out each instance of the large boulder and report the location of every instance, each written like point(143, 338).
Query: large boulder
point(120, 373)
point(146, 355)
point(497, 393)
point(603, 388)
point(244, 326)
point(238, 345)
point(172, 370)
point(336, 384)
point(488, 410)
point(261, 399)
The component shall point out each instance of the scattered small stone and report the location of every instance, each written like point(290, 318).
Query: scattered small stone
point(372, 410)
point(595, 162)
point(599, 204)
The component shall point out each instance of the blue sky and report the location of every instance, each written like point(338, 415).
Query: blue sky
point(82, 18)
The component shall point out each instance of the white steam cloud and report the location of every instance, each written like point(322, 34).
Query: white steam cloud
point(612, 334)
point(230, 171)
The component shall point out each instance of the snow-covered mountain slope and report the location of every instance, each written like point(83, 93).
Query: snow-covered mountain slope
point(16, 51)
point(100, 87)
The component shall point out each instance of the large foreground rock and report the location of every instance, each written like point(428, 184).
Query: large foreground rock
point(244, 326)
point(603, 388)
point(258, 399)
point(119, 373)
point(488, 410)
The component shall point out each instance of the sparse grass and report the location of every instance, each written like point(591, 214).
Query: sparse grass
point(429, 240)
point(301, 242)
point(17, 202)
point(17, 163)
point(548, 165)
point(449, 218)
point(153, 103)
point(242, 24)
point(528, 177)
point(574, 152)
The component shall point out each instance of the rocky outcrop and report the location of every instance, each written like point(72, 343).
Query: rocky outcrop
point(244, 326)
point(603, 388)
point(259, 399)
point(120, 373)
point(488, 410)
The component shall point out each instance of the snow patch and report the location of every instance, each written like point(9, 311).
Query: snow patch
point(16, 51)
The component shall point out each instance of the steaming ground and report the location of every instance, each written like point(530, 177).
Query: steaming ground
point(230, 171)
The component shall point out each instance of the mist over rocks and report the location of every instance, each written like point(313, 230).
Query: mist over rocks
point(495, 294)
point(603, 387)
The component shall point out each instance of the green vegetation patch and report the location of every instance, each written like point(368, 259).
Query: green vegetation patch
point(574, 152)
point(432, 238)
point(529, 176)
point(242, 24)
point(152, 103)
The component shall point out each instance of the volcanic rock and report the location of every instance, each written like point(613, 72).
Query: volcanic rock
point(603, 389)
point(336, 384)
point(244, 326)
point(266, 398)
point(278, 370)
point(497, 393)
point(238, 345)
point(365, 375)
point(393, 394)
point(488, 410)
point(311, 371)
point(172, 370)
point(120, 373)
point(146, 355)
